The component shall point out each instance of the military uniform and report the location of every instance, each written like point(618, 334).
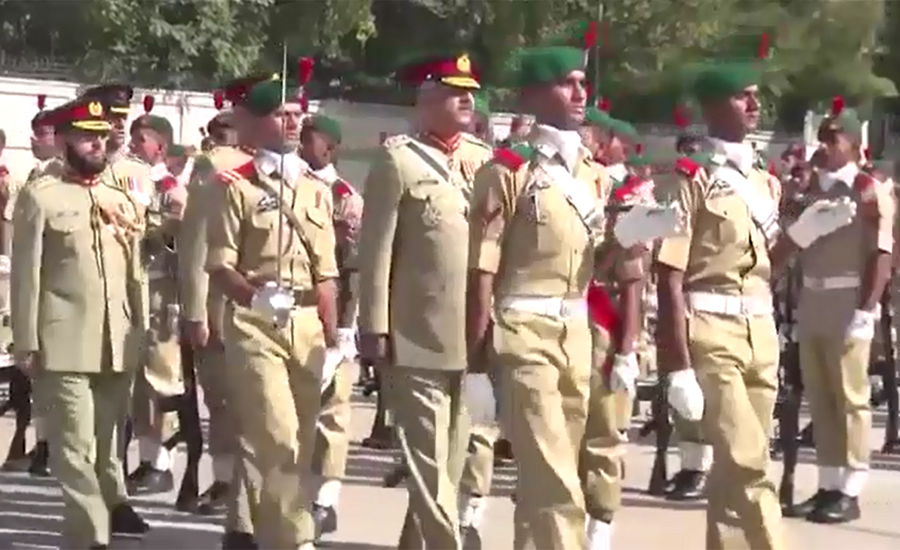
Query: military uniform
point(76, 287)
point(265, 357)
point(838, 317)
point(412, 263)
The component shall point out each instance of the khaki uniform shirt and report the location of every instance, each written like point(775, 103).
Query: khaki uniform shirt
point(412, 248)
point(844, 253)
point(242, 230)
point(76, 281)
point(199, 301)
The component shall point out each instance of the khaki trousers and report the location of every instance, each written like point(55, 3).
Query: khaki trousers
point(545, 373)
point(277, 372)
point(432, 427)
point(83, 422)
point(333, 426)
point(478, 472)
point(213, 378)
point(736, 362)
point(836, 384)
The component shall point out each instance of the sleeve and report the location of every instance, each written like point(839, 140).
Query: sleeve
point(675, 251)
point(381, 212)
point(886, 207)
point(224, 216)
point(320, 228)
point(193, 279)
point(25, 278)
point(490, 211)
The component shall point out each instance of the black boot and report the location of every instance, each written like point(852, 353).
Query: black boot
point(125, 522)
point(687, 485)
point(235, 540)
point(840, 508)
point(807, 507)
point(40, 458)
point(326, 519)
point(147, 480)
point(214, 500)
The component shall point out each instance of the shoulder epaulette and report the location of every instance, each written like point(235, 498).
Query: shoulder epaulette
point(343, 189)
point(866, 180)
point(471, 138)
point(509, 158)
point(244, 171)
point(687, 166)
point(395, 141)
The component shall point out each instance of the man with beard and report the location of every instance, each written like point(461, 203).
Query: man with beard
point(203, 310)
point(319, 141)
point(271, 251)
point(76, 284)
point(412, 288)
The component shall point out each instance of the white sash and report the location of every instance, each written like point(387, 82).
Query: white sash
point(762, 209)
point(575, 192)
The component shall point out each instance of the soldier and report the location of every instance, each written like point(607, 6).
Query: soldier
point(615, 137)
point(43, 146)
point(533, 234)
point(76, 311)
point(151, 136)
point(715, 307)
point(203, 310)
point(412, 288)
point(319, 142)
point(844, 277)
point(278, 324)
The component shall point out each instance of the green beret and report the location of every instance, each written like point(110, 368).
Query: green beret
point(639, 160)
point(595, 117)
point(623, 129)
point(544, 65)
point(725, 80)
point(265, 97)
point(176, 150)
point(327, 125)
point(156, 123)
point(841, 119)
point(482, 104)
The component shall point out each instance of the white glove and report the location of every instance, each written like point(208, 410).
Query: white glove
point(273, 303)
point(333, 359)
point(685, 395)
point(5, 266)
point(821, 218)
point(624, 374)
point(346, 341)
point(862, 327)
point(646, 222)
point(478, 395)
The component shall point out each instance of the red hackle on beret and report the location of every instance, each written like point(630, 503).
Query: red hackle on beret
point(680, 117)
point(837, 105)
point(305, 70)
point(148, 102)
point(603, 104)
point(304, 103)
point(219, 99)
point(639, 148)
point(764, 46)
point(41, 101)
point(590, 37)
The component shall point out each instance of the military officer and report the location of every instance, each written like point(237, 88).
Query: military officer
point(412, 267)
point(715, 308)
point(533, 234)
point(278, 324)
point(319, 143)
point(76, 285)
point(844, 276)
point(151, 136)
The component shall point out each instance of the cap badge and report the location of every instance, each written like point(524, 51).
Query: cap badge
point(95, 108)
point(463, 64)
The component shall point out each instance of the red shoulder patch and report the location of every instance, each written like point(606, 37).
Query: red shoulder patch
point(628, 188)
point(167, 183)
point(773, 170)
point(602, 309)
point(687, 166)
point(343, 189)
point(244, 171)
point(508, 158)
point(866, 184)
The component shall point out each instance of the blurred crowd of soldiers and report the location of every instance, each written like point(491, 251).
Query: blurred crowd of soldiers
point(507, 297)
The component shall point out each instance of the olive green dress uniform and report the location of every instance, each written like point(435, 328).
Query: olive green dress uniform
point(77, 302)
point(734, 349)
point(264, 360)
point(412, 261)
point(835, 364)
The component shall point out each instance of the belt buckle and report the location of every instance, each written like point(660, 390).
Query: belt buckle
point(564, 310)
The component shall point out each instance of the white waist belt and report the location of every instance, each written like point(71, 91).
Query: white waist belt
point(831, 283)
point(739, 306)
point(545, 305)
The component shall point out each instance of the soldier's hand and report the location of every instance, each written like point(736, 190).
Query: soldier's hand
point(197, 333)
point(624, 374)
point(685, 394)
point(374, 349)
point(27, 362)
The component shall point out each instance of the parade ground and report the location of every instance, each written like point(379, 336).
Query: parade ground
point(371, 516)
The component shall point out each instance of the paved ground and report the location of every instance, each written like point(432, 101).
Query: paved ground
point(371, 516)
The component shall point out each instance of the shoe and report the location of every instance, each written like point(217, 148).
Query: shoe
point(235, 540)
point(40, 458)
point(325, 518)
point(840, 508)
point(687, 485)
point(807, 507)
point(125, 522)
point(146, 480)
point(214, 500)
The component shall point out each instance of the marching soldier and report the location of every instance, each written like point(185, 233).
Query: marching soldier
point(76, 310)
point(412, 289)
point(203, 310)
point(715, 306)
point(844, 277)
point(278, 324)
point(151, 136)
point(319, 142)
point(533, 235)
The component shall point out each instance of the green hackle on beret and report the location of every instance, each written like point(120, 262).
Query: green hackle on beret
point(327, 125)
point(543, 65)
